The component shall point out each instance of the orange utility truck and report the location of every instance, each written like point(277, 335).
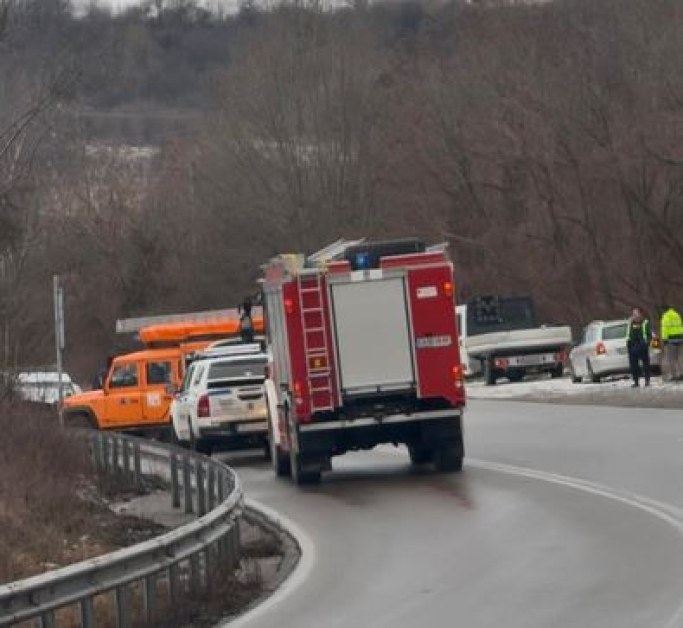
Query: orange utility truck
point(138, 387)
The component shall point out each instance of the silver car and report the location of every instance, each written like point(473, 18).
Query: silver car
point(601, 351)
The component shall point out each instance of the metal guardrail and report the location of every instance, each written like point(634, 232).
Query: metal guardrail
point(173, 562)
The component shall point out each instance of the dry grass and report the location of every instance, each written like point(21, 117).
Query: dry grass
point(41, 469)
point(49, 513)
point(53, 512)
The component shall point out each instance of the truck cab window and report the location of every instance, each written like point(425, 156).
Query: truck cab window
point(158, 372)
point(124, 376)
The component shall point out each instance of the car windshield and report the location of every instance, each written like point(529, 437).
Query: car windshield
point(234, 369)
point(614, 332)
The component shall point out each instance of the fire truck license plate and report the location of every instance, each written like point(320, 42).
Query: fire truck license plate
point(430, 342)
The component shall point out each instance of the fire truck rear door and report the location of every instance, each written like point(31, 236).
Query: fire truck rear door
point(372, 332)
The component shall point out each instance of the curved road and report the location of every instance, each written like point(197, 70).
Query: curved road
point(564, 517)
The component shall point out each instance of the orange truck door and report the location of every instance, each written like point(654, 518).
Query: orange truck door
point(160, 382)
point(122, 395)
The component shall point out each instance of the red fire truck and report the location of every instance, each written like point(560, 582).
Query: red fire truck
point(364, 349)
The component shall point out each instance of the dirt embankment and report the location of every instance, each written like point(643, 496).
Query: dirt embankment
point(53, 509)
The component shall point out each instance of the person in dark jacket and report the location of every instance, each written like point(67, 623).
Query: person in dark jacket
point(246, 322)
point(638, 338)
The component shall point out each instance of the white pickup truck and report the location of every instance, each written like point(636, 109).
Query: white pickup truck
point(499, 337)
point(222, 400)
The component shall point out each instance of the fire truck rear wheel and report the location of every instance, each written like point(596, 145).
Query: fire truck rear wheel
point(448, 458)
point(281, 464)
point(420, 454)
point(279, 459)
point(301, 477)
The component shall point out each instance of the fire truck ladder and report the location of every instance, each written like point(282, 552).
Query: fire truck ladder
point(319, 378)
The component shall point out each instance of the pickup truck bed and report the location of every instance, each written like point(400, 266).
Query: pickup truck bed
point(518, 342)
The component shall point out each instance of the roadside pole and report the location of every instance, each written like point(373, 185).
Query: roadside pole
point(58, 296)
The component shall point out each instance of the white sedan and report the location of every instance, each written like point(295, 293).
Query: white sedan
point(602, 352)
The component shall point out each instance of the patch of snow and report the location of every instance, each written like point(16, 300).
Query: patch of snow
point(547, 388)
point(122, 152)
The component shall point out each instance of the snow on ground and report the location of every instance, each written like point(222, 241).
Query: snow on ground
point(614, 391)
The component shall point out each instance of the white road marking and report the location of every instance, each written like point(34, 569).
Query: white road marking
point(668, 513)
point(665, 512)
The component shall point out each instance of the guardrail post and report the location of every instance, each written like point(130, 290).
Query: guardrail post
point(221, 486)
point(87, 613)
point(123, 607)
point(233, 542)
point(174, 583)
point(211, 486)
point(224, 550)
point(114, 454)
point(206, 565)
point(92, 442)
point(149, 597)
point(95, 452)
point(175, 484)
point(195, 573)
point(102, 451)
point(214, 554)
point(187, 484)
point(137, 465)
point(105, 452)
point(126, 456)
point(221, 552)
point(238, 540)
point(201, 488)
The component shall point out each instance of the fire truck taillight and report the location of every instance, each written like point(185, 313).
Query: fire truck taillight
point(289, 306)
point(448, 288)
point(457, 376)
point(298, 393)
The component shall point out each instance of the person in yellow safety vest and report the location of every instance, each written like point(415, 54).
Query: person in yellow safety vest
point(638, 338)
point(671, 330)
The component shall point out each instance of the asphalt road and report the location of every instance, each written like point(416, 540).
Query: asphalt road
point(564, 517)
